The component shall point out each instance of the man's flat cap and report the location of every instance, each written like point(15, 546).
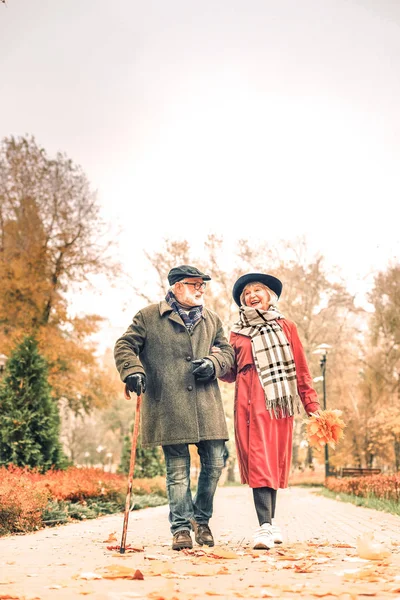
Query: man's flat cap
point(178, 273)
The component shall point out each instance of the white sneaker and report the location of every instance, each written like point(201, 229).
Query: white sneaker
point(277, 533)
point(263, 537)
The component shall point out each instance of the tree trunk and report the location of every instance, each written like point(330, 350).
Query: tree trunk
point(397, 453)
point(231, 470)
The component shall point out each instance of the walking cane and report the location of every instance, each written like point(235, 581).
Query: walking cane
point(131, 469)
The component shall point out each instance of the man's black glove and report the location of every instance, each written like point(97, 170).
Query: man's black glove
point(203, 369)
point(136, 383)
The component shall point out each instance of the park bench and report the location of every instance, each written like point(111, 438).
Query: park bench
point(358, 471)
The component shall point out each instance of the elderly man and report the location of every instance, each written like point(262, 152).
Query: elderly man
point(167, 353)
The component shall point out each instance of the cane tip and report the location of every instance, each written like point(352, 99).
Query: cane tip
point(122, 550)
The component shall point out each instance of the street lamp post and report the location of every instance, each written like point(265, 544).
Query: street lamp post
point(322, 364)
point(322, 350)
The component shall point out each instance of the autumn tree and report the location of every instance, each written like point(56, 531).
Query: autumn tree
point(29, 418)
point(51, 240)
point(380, 374)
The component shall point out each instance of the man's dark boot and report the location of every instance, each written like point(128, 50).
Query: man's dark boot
point(182, 539)
point(203, 535)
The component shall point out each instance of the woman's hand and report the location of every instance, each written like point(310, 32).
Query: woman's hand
point(315, 413)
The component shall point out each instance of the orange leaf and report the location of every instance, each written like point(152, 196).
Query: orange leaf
point(121, 572)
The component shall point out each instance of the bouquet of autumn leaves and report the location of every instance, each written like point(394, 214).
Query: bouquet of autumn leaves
point(325, 427)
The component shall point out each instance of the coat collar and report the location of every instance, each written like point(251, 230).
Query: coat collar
point(165, 308)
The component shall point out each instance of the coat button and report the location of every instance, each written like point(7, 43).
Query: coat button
point(188, 358)
point(190, 387)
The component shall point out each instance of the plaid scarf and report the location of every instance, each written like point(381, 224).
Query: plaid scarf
point(189, 318)
point(273, 359)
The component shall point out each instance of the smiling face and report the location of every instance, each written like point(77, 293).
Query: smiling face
point(186, 293)
point(256, 295)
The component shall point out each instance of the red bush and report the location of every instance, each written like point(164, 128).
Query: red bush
point(24, 493)
point(385, 487)
point(21, 502)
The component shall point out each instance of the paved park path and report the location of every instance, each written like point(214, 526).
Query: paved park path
point(319, 558)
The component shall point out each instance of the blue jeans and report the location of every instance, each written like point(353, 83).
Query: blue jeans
point(183, 508)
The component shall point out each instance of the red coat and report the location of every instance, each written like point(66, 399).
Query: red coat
point(264, 444)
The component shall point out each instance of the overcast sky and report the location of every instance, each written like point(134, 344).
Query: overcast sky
point(254, 118)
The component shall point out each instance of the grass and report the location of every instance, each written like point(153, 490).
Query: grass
point(371, 501)
point(306, 485)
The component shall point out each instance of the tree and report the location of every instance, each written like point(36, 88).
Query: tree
point(51, 239)
point(149, 462)
point(380, 376)
point(29, 419)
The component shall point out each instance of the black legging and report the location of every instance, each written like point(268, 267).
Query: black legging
point(265, 503)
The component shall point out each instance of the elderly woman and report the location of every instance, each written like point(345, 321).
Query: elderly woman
point(271, 374)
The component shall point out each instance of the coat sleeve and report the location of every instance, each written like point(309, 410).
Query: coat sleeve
point(308, 395)
point(230, 375)
point(129, 346)
point(223, 358)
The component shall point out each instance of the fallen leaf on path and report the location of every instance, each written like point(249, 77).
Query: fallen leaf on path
point(268, 594)
point(208, 571)
point(321, 560)
point(363, 574)
point(306, 567)
point(370, 549)
point(395, 589)
point(111, 538)
point(281, 555)
point(158, 567)
point(354, 559)
point(127, 549)
point(89, 575)
point(293, 589)
point(356, 592)
point(221, 553)
point(55, 586)
point(342, 546)
point(121, 572)
point(158, 596)
point(329, 591)
point(318, 544)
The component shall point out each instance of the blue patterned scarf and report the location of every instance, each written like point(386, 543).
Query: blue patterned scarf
point(189, 318)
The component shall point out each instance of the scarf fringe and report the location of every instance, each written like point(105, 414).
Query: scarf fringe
point(283, 407)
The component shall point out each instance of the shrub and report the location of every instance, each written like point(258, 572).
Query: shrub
point(29, 499)
point(29, 418)
point(21, 502)
point(386, 487)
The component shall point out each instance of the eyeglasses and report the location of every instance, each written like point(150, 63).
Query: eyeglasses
point(197, 286)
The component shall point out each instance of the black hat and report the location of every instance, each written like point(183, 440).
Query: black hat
point(273, 283)
point(178, 273)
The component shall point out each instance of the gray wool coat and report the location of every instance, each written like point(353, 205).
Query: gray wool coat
point(176, 409)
